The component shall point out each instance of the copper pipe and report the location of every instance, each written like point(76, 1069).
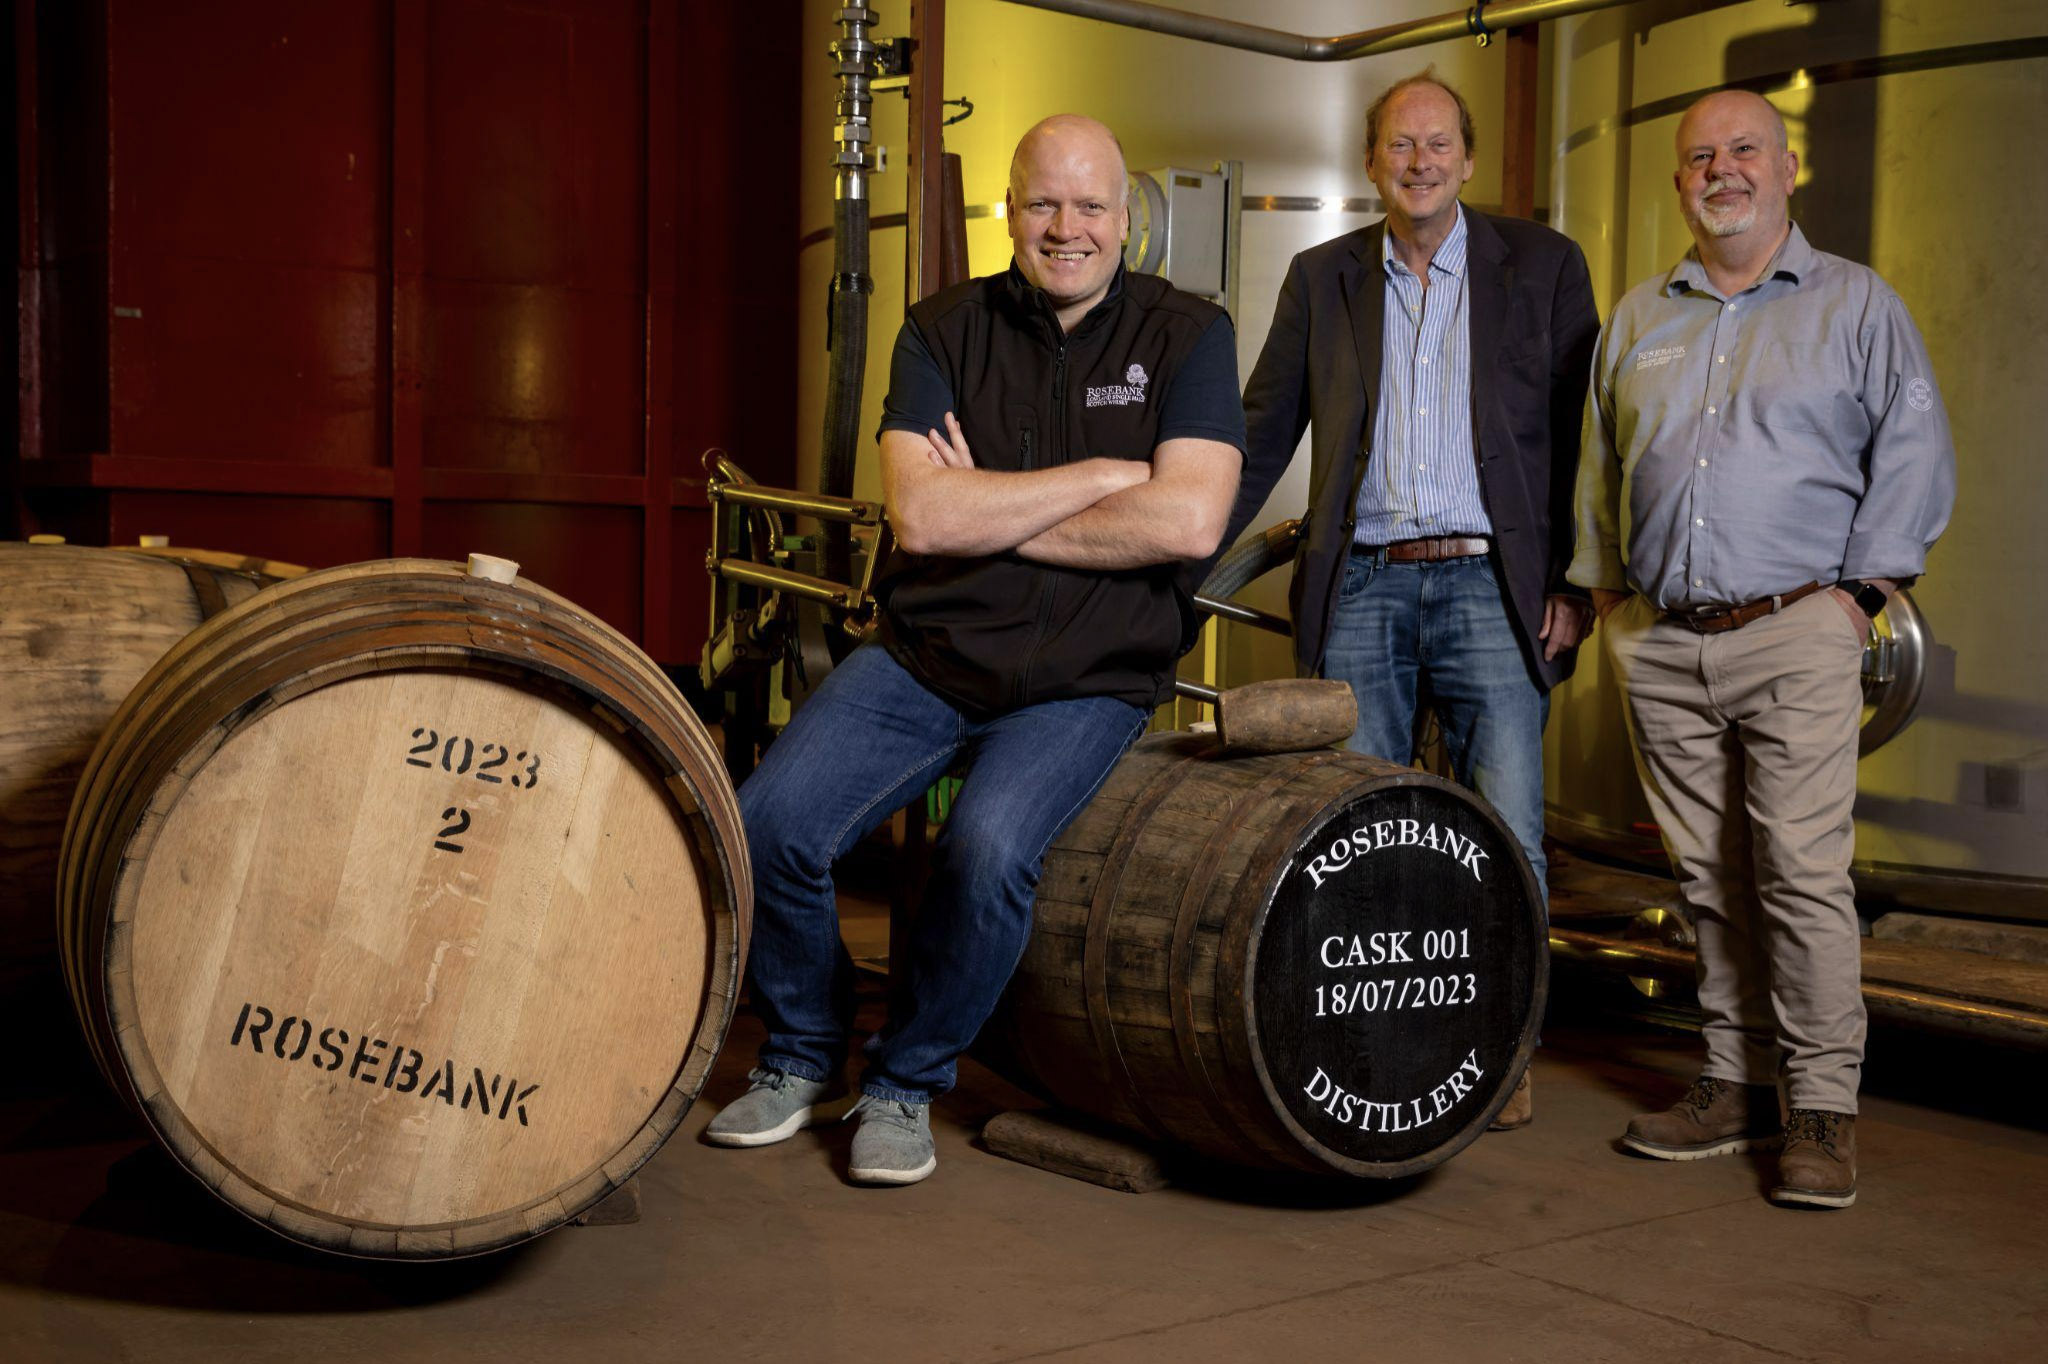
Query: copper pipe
point(1896, 1003)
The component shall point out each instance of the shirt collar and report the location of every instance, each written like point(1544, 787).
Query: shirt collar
point(1795, 261)
point(1450, 253)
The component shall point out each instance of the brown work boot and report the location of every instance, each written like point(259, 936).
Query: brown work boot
point(1714, 1118)
point(1818, 1167)
point(1517, 1111)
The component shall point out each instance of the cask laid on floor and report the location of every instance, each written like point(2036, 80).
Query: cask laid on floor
point(1301, 961)
point(78, 628)
point(408, 906)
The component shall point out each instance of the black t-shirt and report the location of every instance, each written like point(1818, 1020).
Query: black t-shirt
point(1201, 402)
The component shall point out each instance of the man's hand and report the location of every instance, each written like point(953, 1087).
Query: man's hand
point(950, 450)
point(1605, 601)
point(1857, 620)
point(1566, 621)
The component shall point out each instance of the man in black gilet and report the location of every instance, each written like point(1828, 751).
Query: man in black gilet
point(1060, 449)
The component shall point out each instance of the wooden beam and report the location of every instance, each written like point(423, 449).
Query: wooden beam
point(28, 238)
point(403, 378)
point(927, 93)
point(657, 547)
point(1518, 119)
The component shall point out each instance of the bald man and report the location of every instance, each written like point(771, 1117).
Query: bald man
point(1766, 459)
point(1060, 448)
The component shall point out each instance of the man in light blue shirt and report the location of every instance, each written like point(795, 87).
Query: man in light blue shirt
point(1441, 357)
point(1766, 459)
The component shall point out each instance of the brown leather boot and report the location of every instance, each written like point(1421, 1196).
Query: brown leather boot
point(1818, 1167)
point(1517, 1111)
point(1714, 1118)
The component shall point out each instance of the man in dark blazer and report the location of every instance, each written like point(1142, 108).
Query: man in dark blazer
point(1442, 357)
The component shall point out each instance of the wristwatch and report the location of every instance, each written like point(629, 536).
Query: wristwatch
point(1869, 598)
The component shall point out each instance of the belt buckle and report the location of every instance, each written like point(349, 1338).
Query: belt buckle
point(1701, 619)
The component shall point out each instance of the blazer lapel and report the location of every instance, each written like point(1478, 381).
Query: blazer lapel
point(1490, 275)
point(1365, 295)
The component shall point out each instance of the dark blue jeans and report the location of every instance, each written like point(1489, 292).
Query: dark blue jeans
point(867, 743)
point(1445, 624)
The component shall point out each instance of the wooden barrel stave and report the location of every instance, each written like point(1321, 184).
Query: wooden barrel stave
point(313, 636)
point(1134, 999)
point(82, 627)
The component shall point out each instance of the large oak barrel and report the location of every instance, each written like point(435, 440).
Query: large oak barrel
point(408, 907)
point(1300, 961)
point(78, 628)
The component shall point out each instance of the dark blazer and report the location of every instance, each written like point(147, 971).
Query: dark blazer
point(1533, 331)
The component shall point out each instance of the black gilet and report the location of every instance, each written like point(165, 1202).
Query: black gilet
point(996, 632)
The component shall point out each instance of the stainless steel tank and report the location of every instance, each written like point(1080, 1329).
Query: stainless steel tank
point(1919, 129)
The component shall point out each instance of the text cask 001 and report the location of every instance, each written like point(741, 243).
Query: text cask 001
point(1306, 961)
point(408, 907)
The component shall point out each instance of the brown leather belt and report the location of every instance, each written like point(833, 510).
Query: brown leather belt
point(1431, 549)
point(1711, 620)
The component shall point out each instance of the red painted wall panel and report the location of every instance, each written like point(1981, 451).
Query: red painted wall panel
point(238, 359)
point(314, 531)
point(295, 277)
point(534, 319)
point(247, 159)
point(591, 555)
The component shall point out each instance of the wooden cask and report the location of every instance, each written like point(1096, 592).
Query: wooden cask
point(1305, 961)
point(78, 628)
point(408, 907)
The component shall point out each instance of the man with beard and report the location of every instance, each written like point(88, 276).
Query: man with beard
point(1766, 459)
point(1060, 446)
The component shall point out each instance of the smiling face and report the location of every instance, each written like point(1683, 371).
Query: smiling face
point(1735, 174)
point(1419, 159)
point(1066, 212)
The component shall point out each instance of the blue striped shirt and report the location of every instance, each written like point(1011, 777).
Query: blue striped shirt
point(1421, 474)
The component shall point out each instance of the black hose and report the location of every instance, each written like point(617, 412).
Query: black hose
point(1250, 558)
point(847, 338)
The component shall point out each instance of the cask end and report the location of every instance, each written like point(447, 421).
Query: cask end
point(78, 628)
point(407, 907)
point(1305, 961)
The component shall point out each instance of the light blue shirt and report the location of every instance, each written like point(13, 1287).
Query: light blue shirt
point(1421, 473)
point(1741, 447)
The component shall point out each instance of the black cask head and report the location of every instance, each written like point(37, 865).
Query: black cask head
point(1396, 976)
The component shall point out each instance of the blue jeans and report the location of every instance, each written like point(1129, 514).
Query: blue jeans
point(1445, 625)
point(867, 743)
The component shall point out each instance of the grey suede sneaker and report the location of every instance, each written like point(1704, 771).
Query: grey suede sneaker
point(776, 1106)
point(894, 1144)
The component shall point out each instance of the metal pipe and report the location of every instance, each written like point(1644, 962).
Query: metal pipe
point(801, 504)
point(1245, 615)
point(785, 580)
point(853, 56)
point(1896, 1003)
point(1480, 21)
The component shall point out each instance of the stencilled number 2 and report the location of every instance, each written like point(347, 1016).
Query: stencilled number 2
point(458, 823)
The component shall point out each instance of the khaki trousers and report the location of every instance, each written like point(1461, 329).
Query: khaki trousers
point(1746, 745)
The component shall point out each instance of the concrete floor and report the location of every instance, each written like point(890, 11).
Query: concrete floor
point(1543, 1244)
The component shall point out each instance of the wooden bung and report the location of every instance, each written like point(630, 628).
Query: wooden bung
point(408, 906)
point(1286, 715)
point(1300, 961)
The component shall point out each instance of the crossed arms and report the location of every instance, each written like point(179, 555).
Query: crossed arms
point(1094, 513)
